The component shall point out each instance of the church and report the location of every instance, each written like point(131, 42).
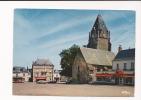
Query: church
point(96, 56)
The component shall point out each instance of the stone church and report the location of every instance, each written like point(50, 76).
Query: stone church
point(96, 56)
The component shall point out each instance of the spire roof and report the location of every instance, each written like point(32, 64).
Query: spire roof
point(99, 23)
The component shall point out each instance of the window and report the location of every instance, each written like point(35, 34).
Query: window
point(98, 69)
point(43, 73)
point(91, 71)
point(16, 74)
point(78, 74)
point(37, 74)
point(117, 66)
point(78, 69)
point(132, 65)
point(125, 66)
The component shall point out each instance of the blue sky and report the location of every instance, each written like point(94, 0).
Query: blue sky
point(44, 33)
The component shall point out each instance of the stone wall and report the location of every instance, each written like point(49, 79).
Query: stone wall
point(80, 69)
point(102, 44)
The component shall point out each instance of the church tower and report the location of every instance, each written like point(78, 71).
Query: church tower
point(99, 36)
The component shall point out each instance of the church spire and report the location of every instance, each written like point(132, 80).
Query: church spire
point(99, 36)
point(99, 23)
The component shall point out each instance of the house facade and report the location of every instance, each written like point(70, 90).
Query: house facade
point(124, 66)
point(42, 69)
point(21, 74)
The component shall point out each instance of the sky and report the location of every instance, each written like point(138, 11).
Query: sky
point(44, 33)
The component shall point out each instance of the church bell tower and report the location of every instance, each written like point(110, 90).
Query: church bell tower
point(99, 36)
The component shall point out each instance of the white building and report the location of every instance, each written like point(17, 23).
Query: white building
point(20, 74)
point(56, 75)
point(124, 65)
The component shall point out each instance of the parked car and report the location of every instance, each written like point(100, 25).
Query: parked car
point(41, 82)
point(69, 81)
point(52, 82)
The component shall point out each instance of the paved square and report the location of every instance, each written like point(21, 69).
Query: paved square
point(72, 90)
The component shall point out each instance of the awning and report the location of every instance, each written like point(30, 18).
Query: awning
point(104, 75)
point(128, 75)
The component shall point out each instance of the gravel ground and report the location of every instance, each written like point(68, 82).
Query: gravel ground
point(72, 90)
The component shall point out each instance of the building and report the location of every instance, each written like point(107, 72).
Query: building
point(21, 74)
point(42, 69)
point(97, 57)
point(57, 76)
point(124, 66)
point(88, 62)
point(99, 36)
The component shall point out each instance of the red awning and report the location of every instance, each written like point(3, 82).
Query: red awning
point(118, 73)
point(128, 75)
point(104, 75)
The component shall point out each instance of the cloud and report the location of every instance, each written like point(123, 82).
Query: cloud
point(33, 37)
point(70, 23)
point(63, 39)
point(122, 30)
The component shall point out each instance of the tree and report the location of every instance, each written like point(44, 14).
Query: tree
point(67, 59)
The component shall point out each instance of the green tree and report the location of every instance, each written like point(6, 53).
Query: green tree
point(67, 59)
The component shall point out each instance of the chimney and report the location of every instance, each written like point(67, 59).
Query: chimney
point(119, 48)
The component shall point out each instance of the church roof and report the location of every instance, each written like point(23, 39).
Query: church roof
point(42, 62)
point(100, 24)
point(128, 54)
point(97, 56)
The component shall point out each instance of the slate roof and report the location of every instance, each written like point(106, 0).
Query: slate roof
point(97, 56)
point(18, 69)
point(100, 24)
point(128, 54)
point(42, 62)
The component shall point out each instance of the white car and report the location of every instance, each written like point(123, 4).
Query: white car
point(41, 82)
